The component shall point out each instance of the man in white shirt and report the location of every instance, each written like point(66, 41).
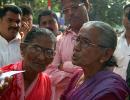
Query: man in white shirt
point(122, 52)
point(10, 23)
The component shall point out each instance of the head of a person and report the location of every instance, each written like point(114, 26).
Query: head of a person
point(126, 16)
point(37, 49)
point(94, 46)
point(27, 17)
point(10, 21)
point(76, 12)
point(48, 19)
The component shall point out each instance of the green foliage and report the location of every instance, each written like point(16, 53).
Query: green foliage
point(38, 5)
point(109, 11)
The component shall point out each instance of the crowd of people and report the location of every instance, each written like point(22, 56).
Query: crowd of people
point(87, 61)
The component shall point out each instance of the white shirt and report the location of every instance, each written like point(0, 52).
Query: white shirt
point(9, 51)
point(122, 54)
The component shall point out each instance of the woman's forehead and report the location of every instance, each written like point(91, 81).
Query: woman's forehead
point(41, 38)
point(87, 30)
point(89, 33)
point(43, 42)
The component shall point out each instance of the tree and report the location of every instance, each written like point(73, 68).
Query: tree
point(109, 11)
point(38, 5)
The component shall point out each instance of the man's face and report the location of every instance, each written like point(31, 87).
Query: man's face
point(10, 25)
point(49, 22)
point(28, 20)
point(75, 13)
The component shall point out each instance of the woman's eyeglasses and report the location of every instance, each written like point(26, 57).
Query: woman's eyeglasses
point(86, 43)
point(38, 50)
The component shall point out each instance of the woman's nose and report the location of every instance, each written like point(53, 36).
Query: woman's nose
point(77, 46)
point(41, 57)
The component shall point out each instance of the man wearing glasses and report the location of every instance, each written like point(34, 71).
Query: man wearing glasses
point(76, 14)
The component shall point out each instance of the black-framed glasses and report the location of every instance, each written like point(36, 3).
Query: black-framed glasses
point(38, 50)
point(73, 7)
point(84, 42)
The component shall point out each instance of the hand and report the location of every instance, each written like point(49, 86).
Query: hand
point(24, 29)
point(4, 83)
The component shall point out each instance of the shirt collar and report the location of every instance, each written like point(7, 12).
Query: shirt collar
point(17, 38)
point(123, 35)
point(69, 31)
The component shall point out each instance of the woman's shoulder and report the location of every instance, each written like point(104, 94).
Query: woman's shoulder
point(109, 77)
point(112, 83)
point(44, 76)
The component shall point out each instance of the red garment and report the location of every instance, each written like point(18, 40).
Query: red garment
point(40, 89)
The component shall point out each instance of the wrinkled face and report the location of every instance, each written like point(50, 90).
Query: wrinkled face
point(49, 22)
point(125, 20)
point(75, 14)
point(87, 50)
point(10, 25)
point(27, 21)
point(38, 54)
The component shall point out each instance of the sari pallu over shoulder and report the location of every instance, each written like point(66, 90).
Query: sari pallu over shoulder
point(101, 84)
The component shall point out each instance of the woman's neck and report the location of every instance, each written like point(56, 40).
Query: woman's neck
point(29, 75)
point(91, 71)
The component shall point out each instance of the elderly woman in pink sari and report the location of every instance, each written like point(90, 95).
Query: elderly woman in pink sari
point(37, 51)
point(93, 51)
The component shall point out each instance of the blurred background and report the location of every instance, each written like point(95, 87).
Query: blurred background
point(109, 11)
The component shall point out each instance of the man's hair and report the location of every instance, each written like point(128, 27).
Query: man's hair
point(47, 13)
point(85, 2)
point(79, 1)
point(26, 10)
point(82, 1)
point(11, 8)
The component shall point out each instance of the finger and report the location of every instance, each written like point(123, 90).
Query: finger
point(5, 85)
point(1, 87)
point(8, 79)
point(25, 25)
point(1, 71)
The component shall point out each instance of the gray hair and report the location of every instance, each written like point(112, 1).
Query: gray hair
point(107, 37)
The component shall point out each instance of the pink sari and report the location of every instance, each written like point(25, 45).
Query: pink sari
point(40, 89)
point(62, 78)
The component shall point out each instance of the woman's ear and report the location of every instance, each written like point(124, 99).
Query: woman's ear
point(108, 52)
point(23, 48)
